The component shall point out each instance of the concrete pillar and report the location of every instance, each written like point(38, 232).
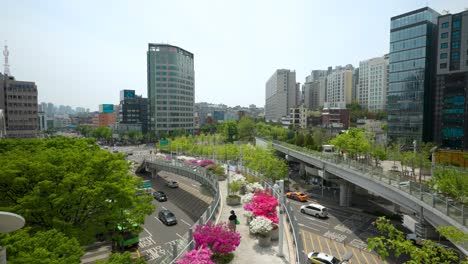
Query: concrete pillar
point(345, 194)
point(396, 208)
point(302, 171)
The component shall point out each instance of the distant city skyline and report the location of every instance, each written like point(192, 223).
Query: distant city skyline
point(80, 54)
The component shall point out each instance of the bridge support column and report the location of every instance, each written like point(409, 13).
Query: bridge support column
point(424, 229)
point(302, 171)
point(396, 208)
point(345, 194)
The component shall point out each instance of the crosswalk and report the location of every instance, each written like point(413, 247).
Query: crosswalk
point(313, 243)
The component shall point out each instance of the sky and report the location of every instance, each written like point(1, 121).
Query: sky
point(82, 53)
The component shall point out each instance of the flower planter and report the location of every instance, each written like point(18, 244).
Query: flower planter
point(264, 240)
point(275, 233)
point(233, 200)
point(221, 178)
point(243, 190)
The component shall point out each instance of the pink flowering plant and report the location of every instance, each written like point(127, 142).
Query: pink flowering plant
point(263, 204)
point(200, 256)
point(219, 238)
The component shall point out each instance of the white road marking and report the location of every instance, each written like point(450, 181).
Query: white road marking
point(194, 185)
point(315, 223)
point(309, 227)
point(164, 207)
point(158, 219)
point(316, 219)
point(185, 222)
point(180, 236)
point(148, 231)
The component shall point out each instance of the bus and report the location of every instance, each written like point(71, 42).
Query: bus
point(126, 237)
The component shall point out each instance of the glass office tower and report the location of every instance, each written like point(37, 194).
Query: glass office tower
point(171, 90)
point(411, 73)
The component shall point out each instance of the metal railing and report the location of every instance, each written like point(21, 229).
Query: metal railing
point(443, 204)
point(186, 243)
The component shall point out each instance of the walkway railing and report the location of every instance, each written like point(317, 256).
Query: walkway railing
point(445, 205)
point(186, 243)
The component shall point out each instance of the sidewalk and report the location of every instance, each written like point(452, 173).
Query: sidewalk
point(248, 250)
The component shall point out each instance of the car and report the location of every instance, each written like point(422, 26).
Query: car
point(301, 197)
point(315, 209)
point(321, 258)
point(160, 196)
point(167, 217)
point(172, 184)
point(129, 153)
point(115, 151)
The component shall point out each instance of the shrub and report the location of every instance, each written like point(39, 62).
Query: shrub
point(201, 255)
point(219, 238)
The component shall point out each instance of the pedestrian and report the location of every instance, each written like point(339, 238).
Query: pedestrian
point(232, 220)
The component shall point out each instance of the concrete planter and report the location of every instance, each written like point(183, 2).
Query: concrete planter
point(222, 178)
point(233, 200)
point(275, 233)
point(264, 241)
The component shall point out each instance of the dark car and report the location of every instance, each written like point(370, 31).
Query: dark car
point(167, 217)
point(160, 196)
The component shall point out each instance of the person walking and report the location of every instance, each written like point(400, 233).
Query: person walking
point(232, 221)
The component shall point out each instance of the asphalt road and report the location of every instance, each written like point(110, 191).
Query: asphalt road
point(344, 230)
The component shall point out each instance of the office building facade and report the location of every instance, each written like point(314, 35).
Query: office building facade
point(372, 85)
point(280, 94)
point(133, 109)
point(451, 86)
point(18, 100)
point(411, 72)
point(171, 89)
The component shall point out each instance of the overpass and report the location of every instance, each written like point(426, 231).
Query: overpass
point(431, 208)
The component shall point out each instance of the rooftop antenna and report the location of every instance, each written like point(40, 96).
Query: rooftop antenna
point(6, 65)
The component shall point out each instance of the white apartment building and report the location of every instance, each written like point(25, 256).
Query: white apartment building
point(339, 87)
point(372, 86)
point(280, 94)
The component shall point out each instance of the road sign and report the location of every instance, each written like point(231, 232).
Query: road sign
point(147, 184)
point(164, 142)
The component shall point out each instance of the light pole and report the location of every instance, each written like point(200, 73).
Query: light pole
point(281, 223)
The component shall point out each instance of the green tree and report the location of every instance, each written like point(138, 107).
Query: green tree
point(121, 258)
point(134, 136)
point(451, 181)
point(102, 133)
point(246, 128)
point(309, 141)
point(70, 185)
point(230, 131)
point(300, 140)
point(393, 241)
point(84, 130)
point(43, 247)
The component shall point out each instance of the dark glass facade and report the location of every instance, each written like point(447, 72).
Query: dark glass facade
point(412, 38)
point(133, 110)
point(171, 89)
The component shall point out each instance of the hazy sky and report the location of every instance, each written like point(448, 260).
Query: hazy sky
point(82, 53)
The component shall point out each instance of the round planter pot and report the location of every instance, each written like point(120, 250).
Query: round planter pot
point(264, 241)
point(275, 233)
point(233, 200)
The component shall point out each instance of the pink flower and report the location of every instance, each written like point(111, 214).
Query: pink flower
point(219, 238)
point(263, 204)
point(199, 256)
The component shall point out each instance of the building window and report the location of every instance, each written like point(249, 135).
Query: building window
point(455, 56)
point(444, 35)
point(444, 45)
point(445, 25)
point(455, 45)
point(443, 55)
point(456, 35)
point(443, 65)
point(456, 24)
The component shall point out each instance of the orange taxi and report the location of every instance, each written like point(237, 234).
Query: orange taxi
point(301, 197)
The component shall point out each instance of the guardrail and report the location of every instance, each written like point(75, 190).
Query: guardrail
point(186, 243)
point(445, 205)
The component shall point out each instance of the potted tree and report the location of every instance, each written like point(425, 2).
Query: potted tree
point(233, 198)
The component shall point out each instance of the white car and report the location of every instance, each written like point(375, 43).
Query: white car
point(315, 209)
point(172, 184)
point(320, 258)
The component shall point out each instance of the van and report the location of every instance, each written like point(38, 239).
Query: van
point(328, 149)
point(315, 209)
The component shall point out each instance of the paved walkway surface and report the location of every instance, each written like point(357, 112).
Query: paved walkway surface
point(249, 251)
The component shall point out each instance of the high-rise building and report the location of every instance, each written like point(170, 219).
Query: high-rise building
point(171, 89)
point(372, 86)
point(451, 98)
point(315, 89)
point(107, 115)
point(411, 73)
point(339, 87)
point(133, 110)
point(280, 94)
point(355, 85)
point(18, 99)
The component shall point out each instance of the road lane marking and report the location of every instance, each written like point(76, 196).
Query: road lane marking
point(158, 220)
point(185, 222)
point(329, 248)
point(304, 241)
point(164, 207)
point(354, 251)
point(147, 231)
point(312, 242)
point(180, 236)
point(376, 259)
point(310, 218)
point(308, 227)
point(194, 185)
point(364, 255)
point(337, 249)
point(320, 243)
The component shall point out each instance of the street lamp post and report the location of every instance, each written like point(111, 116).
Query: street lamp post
point(281, 222)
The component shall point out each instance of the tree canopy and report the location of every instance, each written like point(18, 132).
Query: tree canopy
point(70, 185)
